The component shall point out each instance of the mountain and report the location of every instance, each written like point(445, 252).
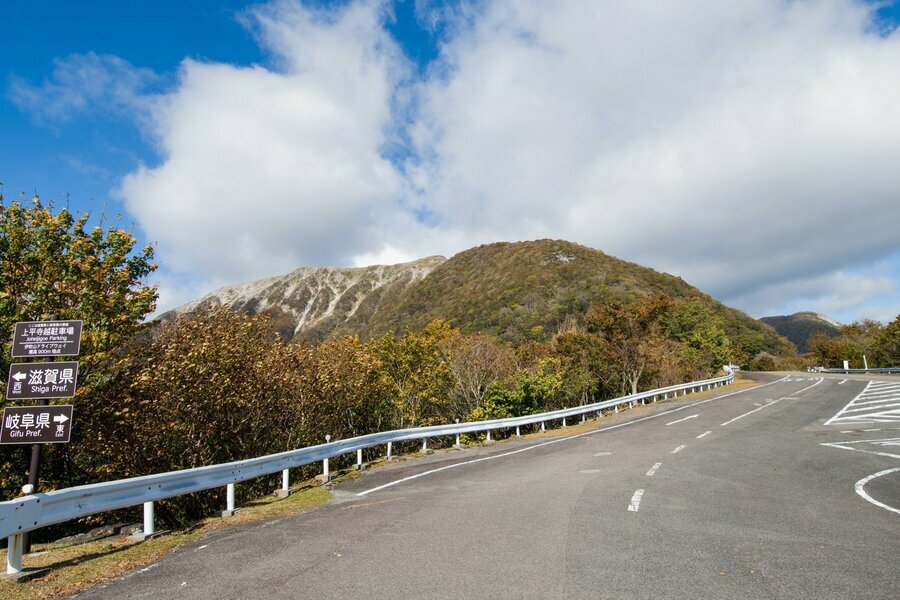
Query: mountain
point(313, 302)
point(800, 327)
point(514, 291)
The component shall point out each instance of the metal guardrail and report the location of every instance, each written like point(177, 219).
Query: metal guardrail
point(39, 510)
point(886, 371)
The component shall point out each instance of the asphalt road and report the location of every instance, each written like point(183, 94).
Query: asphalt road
point(726, 496)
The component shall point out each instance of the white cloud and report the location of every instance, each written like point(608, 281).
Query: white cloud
point(264, 170)
point(84, 83)
point(748, 146)
point(737, 144)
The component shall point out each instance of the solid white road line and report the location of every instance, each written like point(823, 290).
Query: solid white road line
point(684, 419)
point(750, 413)
point(679, 449)
point(589, 471)
point(882, 442)
point(636, 501)
point(842, 382)
point(653, 469)
point(602, 453)
point(703, 435)
point(564, 439)
point(861, 489)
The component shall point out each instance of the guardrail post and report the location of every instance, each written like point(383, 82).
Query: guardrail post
point(359, 458)
point(149, 528)
point(14, 554)
point(517, 431)
point(389, 450)
point(616, 409)
point(285, 480)
point(564, 421)
point(424, 444)
point(542, 426)
point(583, 417)
point(488, 435)
point(229, 497)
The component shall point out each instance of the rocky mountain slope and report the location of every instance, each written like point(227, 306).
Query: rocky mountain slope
point(800, 327)
point(514, 291)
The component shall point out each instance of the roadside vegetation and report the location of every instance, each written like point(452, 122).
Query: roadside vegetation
point(218, 385)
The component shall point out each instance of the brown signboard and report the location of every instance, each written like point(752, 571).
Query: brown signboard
point(29, 381)
point(46, 338)
point(36, 424)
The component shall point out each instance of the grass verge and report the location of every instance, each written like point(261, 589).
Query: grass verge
point(74, 568)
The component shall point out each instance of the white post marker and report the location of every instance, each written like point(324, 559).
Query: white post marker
point(542, 426)
point(564, 421)
point(229, 497)
point(424, 444)
point(517, 431)
point(149, 527)
point(14, 554)
point(285, 479)
point(488, 435)
point(359, 458)
point(389, 450)
point(325, 471)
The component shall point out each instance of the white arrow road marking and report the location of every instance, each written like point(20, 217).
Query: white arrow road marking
point(636, 501)
point(684, 419)
point(653, 469)
point(60, 419)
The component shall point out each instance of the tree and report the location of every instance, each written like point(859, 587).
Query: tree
point(476, 363)
point(630, 335)
point(418, 378)
point(53, 264)
point(886, 345)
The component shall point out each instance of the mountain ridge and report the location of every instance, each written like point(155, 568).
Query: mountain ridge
point(514, 291)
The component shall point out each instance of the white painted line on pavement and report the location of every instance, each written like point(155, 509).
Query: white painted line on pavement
point(842, 382)
point(684, 419)
point(653, 469)
point(861, 489)
point(602, 453)
point(564, 439)
point(750, 413)
point(679, 449)
point(883, 442)
point(774, 402)
point(703, 435)
point(589, 471)
point(636, 501)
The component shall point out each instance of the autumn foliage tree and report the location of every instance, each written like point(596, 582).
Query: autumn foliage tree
point(53, 263)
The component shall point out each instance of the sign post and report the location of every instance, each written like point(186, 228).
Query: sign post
point(41, 424)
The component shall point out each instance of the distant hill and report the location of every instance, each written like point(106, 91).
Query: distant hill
point(514, 291)
point(800, 327)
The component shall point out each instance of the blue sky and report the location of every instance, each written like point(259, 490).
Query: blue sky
point(744, 148)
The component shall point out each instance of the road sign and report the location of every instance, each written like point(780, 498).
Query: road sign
point(36, 424)
point(29, 381)
point(46, 338)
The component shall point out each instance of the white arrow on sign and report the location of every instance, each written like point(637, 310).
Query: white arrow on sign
point(19, 376)
point(60, 419)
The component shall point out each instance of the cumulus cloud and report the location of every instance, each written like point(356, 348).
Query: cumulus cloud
point(738, 144)
point(266, 169)
point(84, 83)
point(749, 146)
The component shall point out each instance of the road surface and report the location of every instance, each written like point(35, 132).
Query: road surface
point(732, 495)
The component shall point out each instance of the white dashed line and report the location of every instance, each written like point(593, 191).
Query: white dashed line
point(589, 471)
point(602, 453)
point(560, 440)
point(703, 435)
point(842, 382)
point(636, 501)
point(653, 469)
point(684, 419)
point(679, 449)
